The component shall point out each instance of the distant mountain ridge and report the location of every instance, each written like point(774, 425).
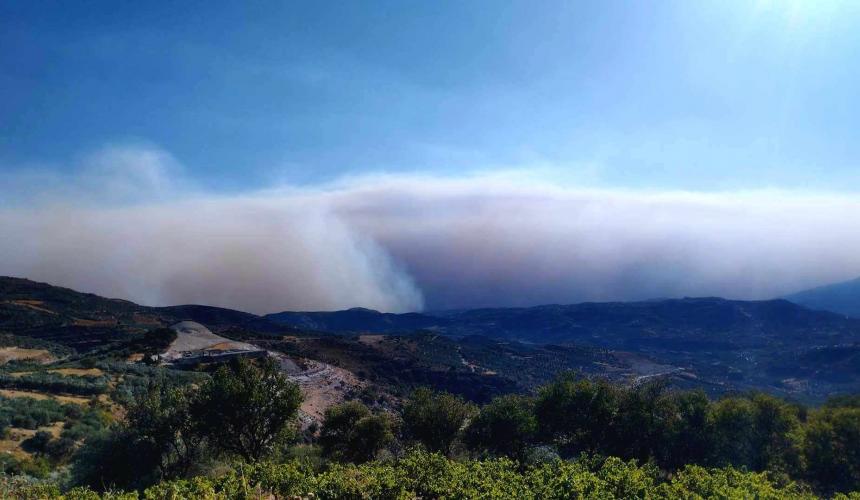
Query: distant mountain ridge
point(40, 309)
point(712, 343)
point(842, 298)
point(357, 319)
point(709, 322)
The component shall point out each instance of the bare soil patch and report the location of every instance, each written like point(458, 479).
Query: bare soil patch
point(323, 386)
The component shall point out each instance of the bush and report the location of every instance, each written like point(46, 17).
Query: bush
point(505, 427)
point(247, 409)
point(832, 449)
point(56, 383)
point(578, 415)
point(436, 419)
point(38, 443)
point(350, 432)
point(697, 482)
point(428, 475)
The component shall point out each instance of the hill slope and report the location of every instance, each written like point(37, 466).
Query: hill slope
point(357, 319)
point(84, 320)
point(690, 323)
point(717, 344)
point(842, 298)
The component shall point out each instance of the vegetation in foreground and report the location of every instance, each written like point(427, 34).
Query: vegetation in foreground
point(234, 434)
point(420, 474)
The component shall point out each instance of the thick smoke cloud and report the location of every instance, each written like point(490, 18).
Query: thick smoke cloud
point(125, 227)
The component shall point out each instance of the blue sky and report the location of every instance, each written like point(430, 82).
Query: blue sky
point(701, 96)
point(412, 155)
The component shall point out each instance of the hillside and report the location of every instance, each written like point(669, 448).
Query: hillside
point(672, 324)
point(716, 344)
point(79, 320)
point(842, 298)
point(721, 345)
point(102, 389)
point(85, 321)
point(357, 319)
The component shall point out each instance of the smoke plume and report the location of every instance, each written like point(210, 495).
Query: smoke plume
point(127, 225)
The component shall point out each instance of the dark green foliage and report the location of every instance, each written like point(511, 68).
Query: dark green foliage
point(8, 340)
point(350, 432)
point(578, 415)
point(647, 422)
point(759, 432)
point(644, 422)
point(435, 419)
point(29, 413)
point(56, 383)
point(157, 441)
point(169, 428)
point(152, 342)
point(88, 422)
point(163, 427)
point(505, 427)
point(113, 459)
point(689, 440)
point(136, 380)
point(36, 467)
point(832, 448)
point(244, 410)
point(843, 401)
point(148, 344)
point(731, 421)
point(61, 449)
point(776, 435)
point(424, 475)
point(247, 409)
point(371, 435)
point(38, 443)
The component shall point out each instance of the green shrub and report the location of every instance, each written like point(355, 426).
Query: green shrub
point(429, 475)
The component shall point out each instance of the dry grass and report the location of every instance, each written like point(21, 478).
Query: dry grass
point(19, 353)
point(95, 322)
point(79, 372)
point(226, 346)
point(146, 319)
point(76, 372)
point(12, 444)
point(35, 305)
point(13, 393)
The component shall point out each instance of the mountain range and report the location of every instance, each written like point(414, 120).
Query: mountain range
point(709, 323)
point(842, 298)
point(716, 344)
